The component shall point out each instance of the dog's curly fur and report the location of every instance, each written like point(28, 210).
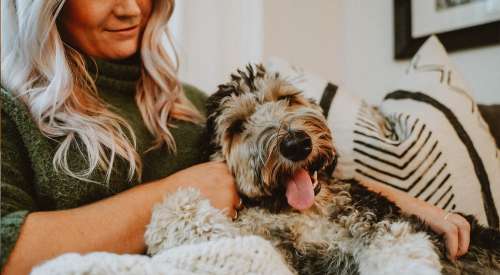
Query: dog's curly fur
point(348, 229)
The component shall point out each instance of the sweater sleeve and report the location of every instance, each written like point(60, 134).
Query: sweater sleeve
point(17, 194)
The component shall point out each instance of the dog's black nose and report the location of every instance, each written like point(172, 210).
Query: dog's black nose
point(296, 146)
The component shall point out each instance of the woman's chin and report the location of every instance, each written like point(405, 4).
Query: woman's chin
point(119, 52)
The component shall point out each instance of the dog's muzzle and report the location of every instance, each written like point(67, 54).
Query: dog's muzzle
point(296, 146)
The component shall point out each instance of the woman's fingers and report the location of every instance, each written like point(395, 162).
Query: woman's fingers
point(457, 235)
point(215, 182)
point(463, 233)
point(232, 213)
point(451, 237)
point(237, 204)
point(236, 200)
point(237, 207)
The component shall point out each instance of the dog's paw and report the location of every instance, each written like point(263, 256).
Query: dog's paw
point(185, 218)
point(396, 265)
point(413, 268)
point(396, 249)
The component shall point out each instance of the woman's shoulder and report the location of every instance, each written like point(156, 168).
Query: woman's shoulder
point(196, 96)
point(5, 95)
point(12, 107)
point(8, 106)
point(17, 122)
point(9, 99)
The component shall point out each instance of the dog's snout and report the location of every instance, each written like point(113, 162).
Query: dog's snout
point(296, 145)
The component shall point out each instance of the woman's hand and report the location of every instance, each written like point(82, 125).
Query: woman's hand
point(215, 182)
point(455, 228)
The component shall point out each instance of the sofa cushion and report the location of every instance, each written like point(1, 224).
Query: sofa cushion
point(491, 114)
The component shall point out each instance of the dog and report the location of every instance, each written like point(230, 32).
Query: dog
point(280, 150)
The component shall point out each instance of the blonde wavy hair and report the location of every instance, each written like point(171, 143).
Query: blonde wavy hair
point(51, 79)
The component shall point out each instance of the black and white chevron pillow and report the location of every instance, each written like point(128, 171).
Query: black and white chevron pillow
point(426, 138)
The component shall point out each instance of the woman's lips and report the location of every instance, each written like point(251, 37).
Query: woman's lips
point(125, 32)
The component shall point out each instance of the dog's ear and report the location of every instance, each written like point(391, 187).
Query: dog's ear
point(214, 111)
point(240, 81)
point(214, 101)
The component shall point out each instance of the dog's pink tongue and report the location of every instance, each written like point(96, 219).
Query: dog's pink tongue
point(299, 190)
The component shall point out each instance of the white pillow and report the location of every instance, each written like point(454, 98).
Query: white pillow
point(434, 92)
point(426, 138)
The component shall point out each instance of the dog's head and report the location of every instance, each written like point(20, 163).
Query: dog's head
point(274, 140)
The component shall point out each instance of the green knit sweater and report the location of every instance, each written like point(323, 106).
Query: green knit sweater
point(28, 180)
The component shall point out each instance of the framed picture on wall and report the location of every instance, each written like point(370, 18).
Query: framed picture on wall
point(459, 24)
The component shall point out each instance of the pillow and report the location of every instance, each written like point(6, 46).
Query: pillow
point(426, 138)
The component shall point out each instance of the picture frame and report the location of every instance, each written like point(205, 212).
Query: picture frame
point(406, 45)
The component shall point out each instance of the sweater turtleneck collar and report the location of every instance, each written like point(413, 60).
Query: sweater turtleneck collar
point(119, 76)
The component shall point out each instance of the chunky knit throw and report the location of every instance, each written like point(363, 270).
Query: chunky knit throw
point(186, 236)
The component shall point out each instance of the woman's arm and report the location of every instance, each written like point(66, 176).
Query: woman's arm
point(116, 224)
point(455, 228)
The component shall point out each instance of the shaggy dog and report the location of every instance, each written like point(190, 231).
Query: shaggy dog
point(279, 148)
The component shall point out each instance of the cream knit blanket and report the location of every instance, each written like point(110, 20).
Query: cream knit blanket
point(186, 236)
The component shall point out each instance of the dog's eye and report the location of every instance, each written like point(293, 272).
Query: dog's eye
point(237, 127)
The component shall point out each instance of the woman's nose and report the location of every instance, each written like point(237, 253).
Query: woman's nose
point(127, 8)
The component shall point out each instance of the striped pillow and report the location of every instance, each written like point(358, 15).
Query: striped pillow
point(426, 138)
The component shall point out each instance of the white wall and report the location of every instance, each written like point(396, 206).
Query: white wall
point(213, 37)
point(351, 43)
point(304, 33)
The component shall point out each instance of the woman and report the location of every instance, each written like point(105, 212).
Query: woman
point(89, 95)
